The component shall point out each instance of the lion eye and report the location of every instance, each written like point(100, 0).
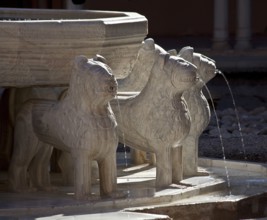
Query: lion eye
point(111, 88)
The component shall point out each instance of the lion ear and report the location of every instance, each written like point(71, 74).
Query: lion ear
point(172, 52)
point(80, 61)
point(187, 53)
point(162, 59)
point(148, 44)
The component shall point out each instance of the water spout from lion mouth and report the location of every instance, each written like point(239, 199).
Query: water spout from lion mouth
point(217, 71)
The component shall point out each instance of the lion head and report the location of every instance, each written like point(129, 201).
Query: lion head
point(180, 72)
point(93, 79)
point(206, 66)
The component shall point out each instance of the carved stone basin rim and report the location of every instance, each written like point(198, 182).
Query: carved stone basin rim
point(38, 45)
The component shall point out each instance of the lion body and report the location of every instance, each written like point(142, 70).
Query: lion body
point(157, 120)
point(198, 107)
point(82, 123)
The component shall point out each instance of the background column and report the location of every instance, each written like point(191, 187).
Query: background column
point(74, 5)
point(243, 25)
point(220, 31)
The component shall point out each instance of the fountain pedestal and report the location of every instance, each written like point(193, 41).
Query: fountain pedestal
point(37, 46)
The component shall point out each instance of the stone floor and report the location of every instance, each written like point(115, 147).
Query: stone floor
point(135, 188)
point(244, 198)
point(136, 193)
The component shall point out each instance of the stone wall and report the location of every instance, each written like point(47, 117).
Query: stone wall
point(172, 19)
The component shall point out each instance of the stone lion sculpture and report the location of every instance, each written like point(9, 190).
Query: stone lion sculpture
point(82, 123)
point(198, 107)
point(157, 119)
point(139, 74)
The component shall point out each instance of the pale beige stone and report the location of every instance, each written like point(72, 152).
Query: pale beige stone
point(74, 124)
point(198, 107)
point(157, 119)
point(139, 74)
point(136, 81)
point(66, 165)
point(38, 45)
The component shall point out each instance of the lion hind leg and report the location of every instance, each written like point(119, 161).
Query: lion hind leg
point(25, 147)
point(18, 176)
point(39, 167)
point(138, 156)
point(18, 179)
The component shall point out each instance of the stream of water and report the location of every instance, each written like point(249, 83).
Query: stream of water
point(125, 151)
point(219, 130)
point(221, 140)
point(238, 122)
point(236, 114)
point(123, 138)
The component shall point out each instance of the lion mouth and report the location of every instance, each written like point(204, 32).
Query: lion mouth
point(189, 79)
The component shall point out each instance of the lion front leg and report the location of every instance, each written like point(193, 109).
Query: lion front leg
point(163, 167)
point(18, 176)
point(82, 174)
point(66, 165)
point(177, 164)
point(190, 155)
point(108, 175)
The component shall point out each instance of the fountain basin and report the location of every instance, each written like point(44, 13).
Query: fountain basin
point(207, 197)
point(136, 187)
point(38, 45)
point(246, 198)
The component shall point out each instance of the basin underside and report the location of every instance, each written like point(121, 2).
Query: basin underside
point(37, 47)
point(136, 189)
